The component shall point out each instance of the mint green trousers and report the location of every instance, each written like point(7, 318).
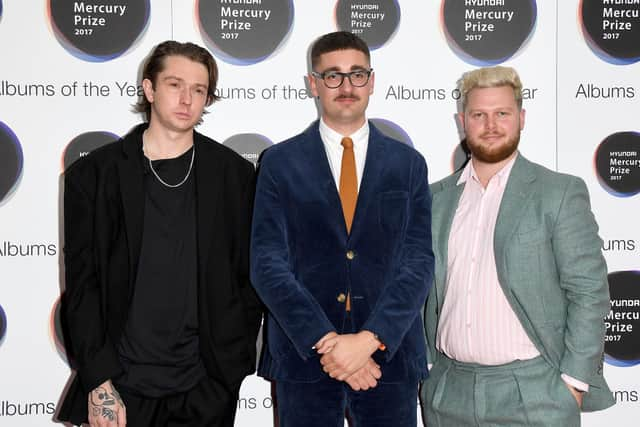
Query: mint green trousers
point(522, 393)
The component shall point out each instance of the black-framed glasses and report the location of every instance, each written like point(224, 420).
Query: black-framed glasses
point(334, 79)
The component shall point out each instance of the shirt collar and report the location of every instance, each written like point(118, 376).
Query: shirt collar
point(502, 175)
point(331, 137)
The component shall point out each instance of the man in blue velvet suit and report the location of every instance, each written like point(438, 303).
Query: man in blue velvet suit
point(515, 318)
point(341, 256)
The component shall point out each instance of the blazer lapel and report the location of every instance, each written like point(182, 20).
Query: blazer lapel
point(319, 171)
point(131, 175)
point(513, 205)
point(373, 169)
point(444, 207)
point(209, 175)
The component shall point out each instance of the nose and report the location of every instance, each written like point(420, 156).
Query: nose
point(490, 122)
point(346, 85)
point(185, 96)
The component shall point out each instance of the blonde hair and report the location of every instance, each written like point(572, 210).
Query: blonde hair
point(489, 77)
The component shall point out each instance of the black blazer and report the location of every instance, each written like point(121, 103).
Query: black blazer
point(104, 210)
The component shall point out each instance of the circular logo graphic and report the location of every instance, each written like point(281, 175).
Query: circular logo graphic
point(55, 329)
point(244, 32)
point(375, 21)
point(11, 161)
point(622, 339)
point(85, 143)
point(248, 145)
point(617, 164)
point(612, 29)
point(393, 131)
point(98, 30)
point(487, 32)
point(3, 324)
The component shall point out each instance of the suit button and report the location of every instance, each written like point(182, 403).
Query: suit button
point(342, 298)
point(351, 255)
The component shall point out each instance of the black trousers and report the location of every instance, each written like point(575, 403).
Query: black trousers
point(208, 404)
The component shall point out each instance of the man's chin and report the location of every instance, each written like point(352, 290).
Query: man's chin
point(493, 156)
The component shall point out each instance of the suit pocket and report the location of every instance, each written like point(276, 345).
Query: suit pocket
point(394, 207)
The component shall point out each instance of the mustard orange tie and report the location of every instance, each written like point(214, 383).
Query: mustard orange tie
point(348, 182)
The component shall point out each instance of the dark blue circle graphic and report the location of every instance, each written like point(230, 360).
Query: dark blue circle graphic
point(11, 161)
point(3, 324)
point(617, 163)
point(488, 32)
point(375, 21)
point(95, 30)
point(393, 131)
point(85, 143)
point(244, 32)
point(612, 29)
point(622, 339)
point(248, 145)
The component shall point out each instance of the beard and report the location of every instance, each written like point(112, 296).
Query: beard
point(492, 153)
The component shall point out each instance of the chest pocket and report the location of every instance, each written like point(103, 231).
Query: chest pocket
point(532, 237)
point(393, 209)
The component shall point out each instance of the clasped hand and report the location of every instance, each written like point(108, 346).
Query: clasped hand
point(348, 358)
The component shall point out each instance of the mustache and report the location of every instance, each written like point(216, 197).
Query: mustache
point(354, 97)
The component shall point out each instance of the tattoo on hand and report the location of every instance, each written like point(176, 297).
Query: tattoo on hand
point(103, 403)
point(108, 413)
point(100, 397)
point(116, 395)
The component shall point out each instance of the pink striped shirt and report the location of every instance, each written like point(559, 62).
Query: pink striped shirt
point(477, 324)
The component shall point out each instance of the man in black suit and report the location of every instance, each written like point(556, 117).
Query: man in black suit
point(160, 314)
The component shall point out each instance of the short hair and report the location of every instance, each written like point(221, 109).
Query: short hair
point(339, 40)
point(489, 77)
point(154, 65)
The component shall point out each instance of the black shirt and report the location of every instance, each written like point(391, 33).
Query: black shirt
point(159, 348)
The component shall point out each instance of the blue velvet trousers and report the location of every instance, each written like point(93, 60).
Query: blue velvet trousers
point(325, 403)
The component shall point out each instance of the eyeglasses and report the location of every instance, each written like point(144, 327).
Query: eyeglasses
point(334, 79)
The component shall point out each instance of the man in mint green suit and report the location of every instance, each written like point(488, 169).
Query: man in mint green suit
point(514, 321)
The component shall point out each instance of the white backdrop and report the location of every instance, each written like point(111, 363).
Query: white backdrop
point(40, 68)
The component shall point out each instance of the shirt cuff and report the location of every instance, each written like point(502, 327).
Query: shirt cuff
point(577, 384)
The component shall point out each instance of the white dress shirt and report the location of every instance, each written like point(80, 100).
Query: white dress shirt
point(333, 147)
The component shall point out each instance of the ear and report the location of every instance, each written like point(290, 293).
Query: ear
point(147, 86)
point(522, 117)
point(313, 85)
point(372, 80)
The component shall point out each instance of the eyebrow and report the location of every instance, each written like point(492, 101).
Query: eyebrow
point(353, 68)
point(490, 110)
point(170, 77)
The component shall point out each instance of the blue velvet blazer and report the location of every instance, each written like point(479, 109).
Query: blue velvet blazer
point(302, 258)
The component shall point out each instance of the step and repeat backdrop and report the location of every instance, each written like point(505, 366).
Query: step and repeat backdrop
point(70, 74)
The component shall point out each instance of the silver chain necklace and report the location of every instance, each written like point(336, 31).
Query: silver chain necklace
point(193, 155)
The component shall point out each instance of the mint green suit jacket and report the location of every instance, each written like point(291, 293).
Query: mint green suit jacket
point(550, 267)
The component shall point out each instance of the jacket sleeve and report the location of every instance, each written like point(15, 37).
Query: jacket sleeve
point(294, 308)
point(583, 277)
point(252, 304)
point(92, 352)
point(403, 298)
